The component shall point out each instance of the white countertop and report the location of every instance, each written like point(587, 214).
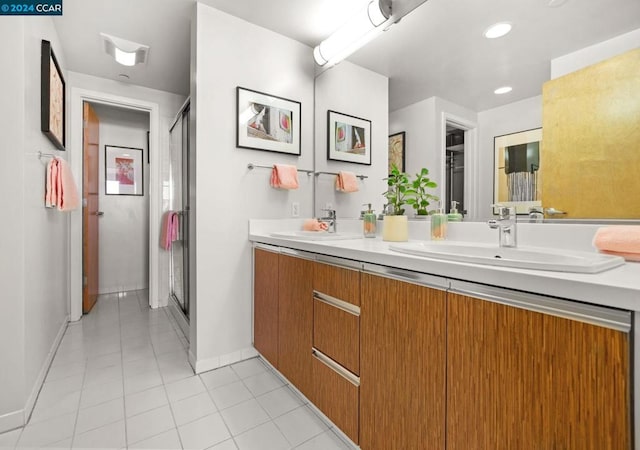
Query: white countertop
point(618, 287)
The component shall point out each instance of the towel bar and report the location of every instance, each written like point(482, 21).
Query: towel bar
point(252, 166)
point(46, 155)
point(362, 177)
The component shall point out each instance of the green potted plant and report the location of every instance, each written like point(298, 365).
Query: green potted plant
point(420, 198)
point(395, 226)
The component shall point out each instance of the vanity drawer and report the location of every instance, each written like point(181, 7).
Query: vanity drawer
point(336, 331)
point(338, 282)
point(336, 395)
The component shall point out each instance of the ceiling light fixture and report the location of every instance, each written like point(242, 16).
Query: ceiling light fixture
point(503, 90)
point(125, 52)
point(355, 33)
point(497, 30)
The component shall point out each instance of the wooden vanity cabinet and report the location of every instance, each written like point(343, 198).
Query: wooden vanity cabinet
point(402, 375)
point(295, 321)
point(265, 304)
point(397, 364)
point(519, 379)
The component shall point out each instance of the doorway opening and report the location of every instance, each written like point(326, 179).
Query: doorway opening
point(454, 183)
point(115, 247)
point(78, 97)
point(459, 169)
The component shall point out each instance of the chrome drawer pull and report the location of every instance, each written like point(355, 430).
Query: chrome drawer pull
point(330, 363)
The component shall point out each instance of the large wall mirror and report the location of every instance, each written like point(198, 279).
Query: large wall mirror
point(442, 73)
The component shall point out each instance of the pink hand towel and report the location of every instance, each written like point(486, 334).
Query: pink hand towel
point(346, 182)
point(167, 232)
point(622, 240)
point(50, 196)
point(284, 177)
point(314, 225)
point(68, 198)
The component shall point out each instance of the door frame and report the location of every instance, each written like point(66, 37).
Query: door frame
point(78, 96)
point(471, 197)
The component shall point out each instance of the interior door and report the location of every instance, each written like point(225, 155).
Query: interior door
point(90, 210)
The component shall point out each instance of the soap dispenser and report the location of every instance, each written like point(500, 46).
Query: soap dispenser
point(454, 215)
point(369, 222)
point(439, 224)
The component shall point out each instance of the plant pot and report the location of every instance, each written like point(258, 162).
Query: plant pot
point(395, 229)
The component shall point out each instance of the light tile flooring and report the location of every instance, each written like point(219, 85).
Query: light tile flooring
point(121, 379)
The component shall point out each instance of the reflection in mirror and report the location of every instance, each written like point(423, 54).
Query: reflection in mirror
point(517, 173)
point(432, 78)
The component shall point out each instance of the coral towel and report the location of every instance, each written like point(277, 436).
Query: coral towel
point(61, 190)
point(622, 240)
point(314, 225)
point(68, 198)
point(50, 198)
point(346, 182)
point(284, 177)
point(170, 226)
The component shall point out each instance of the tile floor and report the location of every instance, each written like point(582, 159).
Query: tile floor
point(121, 379)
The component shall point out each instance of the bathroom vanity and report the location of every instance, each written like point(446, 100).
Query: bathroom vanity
point(401, 351)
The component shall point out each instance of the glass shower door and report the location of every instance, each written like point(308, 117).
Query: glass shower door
point(179, 202)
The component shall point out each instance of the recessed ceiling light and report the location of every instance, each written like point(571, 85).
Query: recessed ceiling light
point(497, 30)
point(503, 90)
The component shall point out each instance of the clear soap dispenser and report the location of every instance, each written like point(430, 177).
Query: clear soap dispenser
point(454, 215)
point(369, 222)
point(439, 222)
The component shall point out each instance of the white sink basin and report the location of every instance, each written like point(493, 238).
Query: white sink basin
point(521, 257)
point(315, 235)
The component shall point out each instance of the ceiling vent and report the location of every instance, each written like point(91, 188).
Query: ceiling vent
point(127, 53)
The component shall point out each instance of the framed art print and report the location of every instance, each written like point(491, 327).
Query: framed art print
point(267, 122)
point(123, 170)
point(397, 151)
point(52, 97)
point(348, 138)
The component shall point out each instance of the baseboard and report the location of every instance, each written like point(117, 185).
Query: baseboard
point(31, 401)
point(205, 365)
point(11, 421)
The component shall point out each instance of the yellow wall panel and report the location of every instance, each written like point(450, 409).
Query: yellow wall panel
point(591, 140)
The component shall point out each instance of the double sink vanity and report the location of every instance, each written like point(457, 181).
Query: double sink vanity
point(458, 344)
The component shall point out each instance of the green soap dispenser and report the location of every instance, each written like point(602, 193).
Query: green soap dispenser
point(454, 215)
point(369, 223)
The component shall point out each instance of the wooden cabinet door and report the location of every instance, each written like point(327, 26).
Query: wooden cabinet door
point(402, 365)
point(265, 304)
point(518, 379)
point(295, 313)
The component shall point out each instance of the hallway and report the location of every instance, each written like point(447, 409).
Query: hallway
point(121, 379)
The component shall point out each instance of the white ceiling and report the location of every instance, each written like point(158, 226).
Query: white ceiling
point(437, 49)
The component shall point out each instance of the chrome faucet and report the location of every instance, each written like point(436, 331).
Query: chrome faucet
point(330, 220)
point(536, 214)
point(506, 225)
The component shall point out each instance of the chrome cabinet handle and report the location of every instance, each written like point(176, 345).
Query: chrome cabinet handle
point(99, 213)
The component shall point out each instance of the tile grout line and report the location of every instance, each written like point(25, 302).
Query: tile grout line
point(124, 402)
point(164, 388)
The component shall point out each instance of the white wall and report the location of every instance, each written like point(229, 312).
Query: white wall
point(34, 239)
point(353, 90)
point(230, 52)
point(512, 118)
point(595, 53)
point(12, 115)
point(124, 227)
point(423, 123)
point(169, 104)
